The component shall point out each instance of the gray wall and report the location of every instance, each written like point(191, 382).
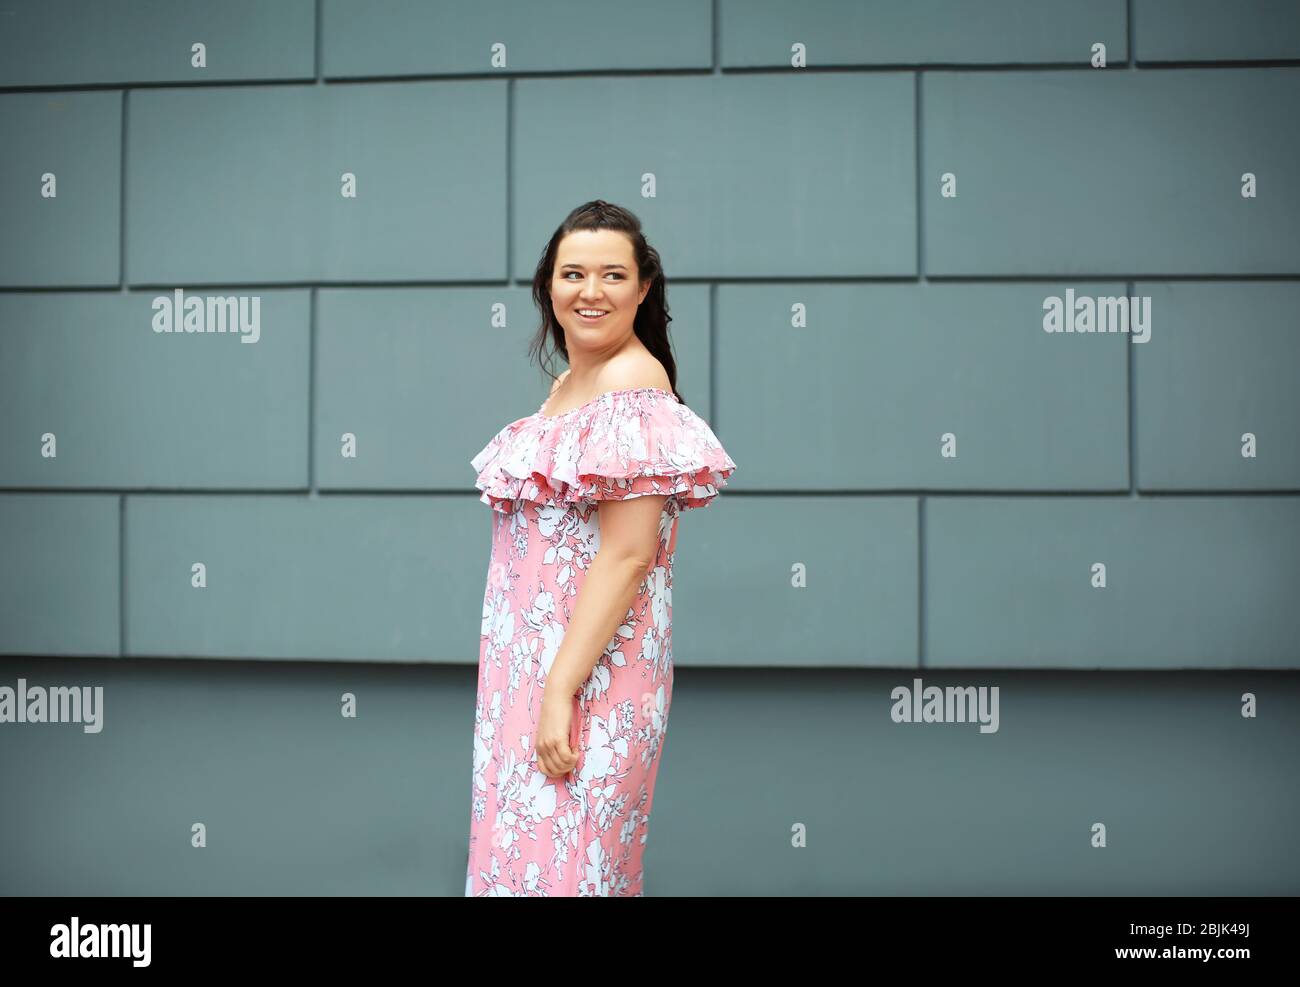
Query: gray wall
point(927, 484)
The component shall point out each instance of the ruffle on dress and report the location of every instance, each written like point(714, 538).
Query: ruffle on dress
point(627, 443)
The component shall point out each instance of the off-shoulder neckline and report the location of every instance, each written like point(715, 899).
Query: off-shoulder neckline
point(599, 397)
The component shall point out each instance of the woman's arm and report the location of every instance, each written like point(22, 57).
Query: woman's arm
point(629, 543)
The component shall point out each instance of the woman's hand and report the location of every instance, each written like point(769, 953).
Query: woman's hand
point(556, 747)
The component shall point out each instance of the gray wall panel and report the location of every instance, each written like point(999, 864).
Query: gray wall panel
point(261, 197)
point(1190, 582)
point(352, 578)
point(758, 583)
point(764, 175)
point(1211, 30)
point(93, 42)
point(59, 582)
point(1221, 365)
point(934, 386)
point(129, 407)
point(60, 180)
point(952, 32)
point(1104, 173)
point(360, 38)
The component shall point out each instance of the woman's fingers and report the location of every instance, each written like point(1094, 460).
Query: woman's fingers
point(556, 759)
point(556, 739)
point(545, 761)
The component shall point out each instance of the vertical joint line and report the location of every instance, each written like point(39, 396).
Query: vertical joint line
point(510, 109)
point(713, 352)
point(920, 176)
point(715, 54)
point(1130, 51)
point(121, 199)
point(121, 575)
point(319, 80)
point(312, 309)
point(1130, 356)
point(920, 581)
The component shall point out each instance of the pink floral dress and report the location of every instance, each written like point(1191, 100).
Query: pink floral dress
point(584, 834)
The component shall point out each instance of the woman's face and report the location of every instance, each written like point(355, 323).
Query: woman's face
point(596, 270)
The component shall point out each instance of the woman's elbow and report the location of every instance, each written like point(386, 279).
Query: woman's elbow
point(639, 561)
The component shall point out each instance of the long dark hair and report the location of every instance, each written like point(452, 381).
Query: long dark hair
point(652, 318)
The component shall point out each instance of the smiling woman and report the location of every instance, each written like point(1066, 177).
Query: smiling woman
point(575, 663)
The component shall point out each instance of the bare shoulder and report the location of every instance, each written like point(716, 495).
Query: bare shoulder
point(641, 372)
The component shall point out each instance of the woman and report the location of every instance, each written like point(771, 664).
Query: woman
point(575, 662)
